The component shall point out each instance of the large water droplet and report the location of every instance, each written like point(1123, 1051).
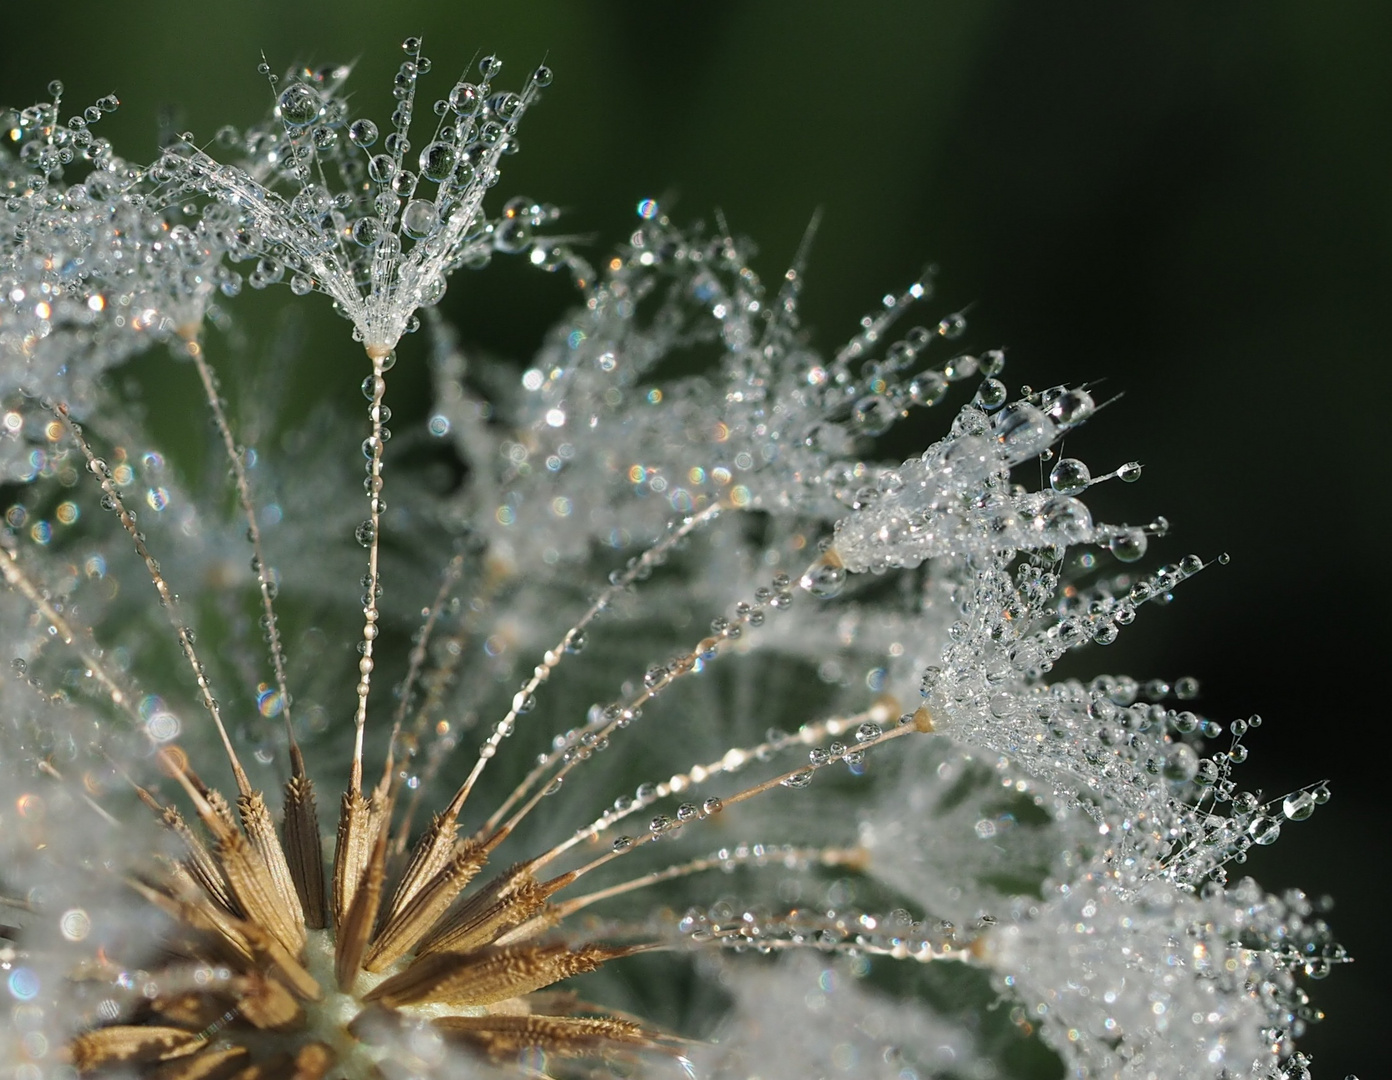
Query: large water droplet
point(825, 577)
point(1128, 545)
point(1298, 805)
point(420, 218)
point(299, 105)
point(1069, 476)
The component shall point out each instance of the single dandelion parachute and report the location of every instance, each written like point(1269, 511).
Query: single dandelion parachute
point(317, 198)
point(1064, 844)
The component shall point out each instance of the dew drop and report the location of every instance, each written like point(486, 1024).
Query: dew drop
point(825, 578)
point(420, 219)
point(1069, 476)
point(1128, 545)
point(874, 414)
point(362, 132)
point(1298, 805)
point(1264, 830)
point(299, 105)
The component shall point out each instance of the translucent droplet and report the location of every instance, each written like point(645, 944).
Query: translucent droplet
point(1023, 431)
point(992, 394)
point(1264, 830)
point(799, 779)
point(299, 105)
point(927, 388)
point(464, 99)
point(1069, 476)
point(874, 414)
point(1298, 805)
point(362, 132)
point(1071, 408)
point(1130, 472)
point(1128, 545)
point(420, 218)
point(825, 578)
point(382, 168)
point(437, 161)
point(365, 533)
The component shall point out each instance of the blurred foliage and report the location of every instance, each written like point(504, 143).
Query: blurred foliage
point(1186, 199)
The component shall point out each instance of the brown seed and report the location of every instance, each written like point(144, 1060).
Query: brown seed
point(128, 1045)
point(489, 975)
point(302, 850)
point(504, 1037)
point(418, 916)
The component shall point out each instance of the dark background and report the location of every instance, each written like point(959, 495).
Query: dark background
point(1188, 199)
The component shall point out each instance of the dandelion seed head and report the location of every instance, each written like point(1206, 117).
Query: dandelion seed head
point(837, 672)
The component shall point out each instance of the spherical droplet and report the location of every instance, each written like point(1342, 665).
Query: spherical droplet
point(299, 105)
point(1128, 545)
point(420, 218)
point(1069, 476)
point(362, 132)
point(824, 578)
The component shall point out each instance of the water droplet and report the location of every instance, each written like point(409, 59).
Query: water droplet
point(464, 99)
point(825, 578)
point(1298, 805)
point(1069, 476)
point(927, 388)
point(1130, 472)
point(1071, 408)
point(1128, 545)
point(992, 394)
point(622, 843)
point(799, 779)
point(419, 219)
point(299, 105)
point(437, 161)
point(1023, 431)
point(1264, 830)
point(382, 168)
point(362, 132)
point(868, 731)
point(365, 533)
point(368, 231)
point(874, 414)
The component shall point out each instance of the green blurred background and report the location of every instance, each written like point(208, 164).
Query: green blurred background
point(1188, 199)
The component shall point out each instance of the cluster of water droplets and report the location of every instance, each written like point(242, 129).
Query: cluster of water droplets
point(1146, 981)
point(771, 425)
point(92, 268)
point(324, 200)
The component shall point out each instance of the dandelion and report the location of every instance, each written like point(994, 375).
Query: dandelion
point(872, 771)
